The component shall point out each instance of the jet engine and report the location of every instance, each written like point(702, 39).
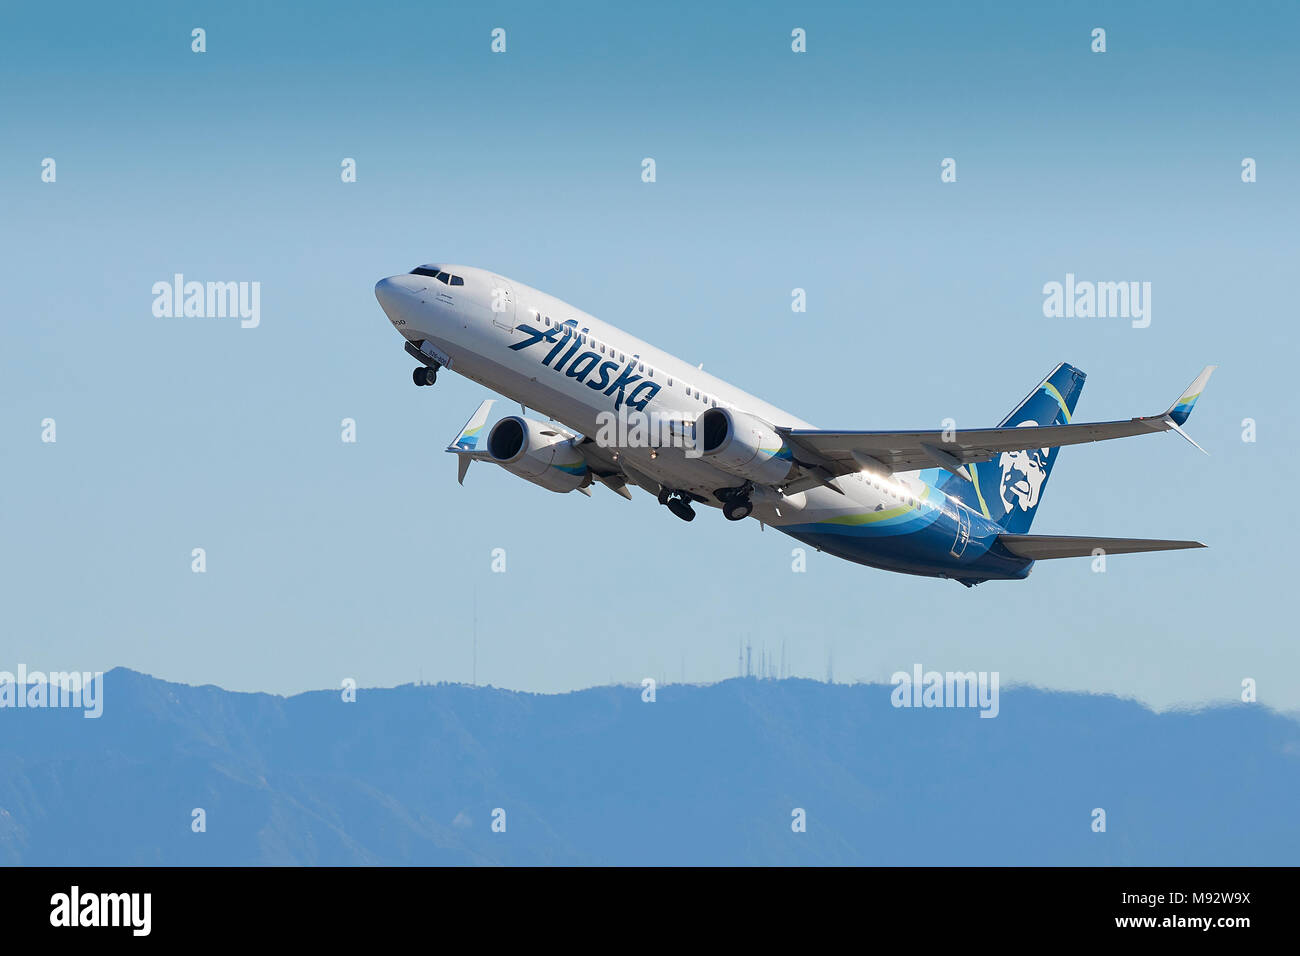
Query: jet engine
point(744, 445)
point(539, 453)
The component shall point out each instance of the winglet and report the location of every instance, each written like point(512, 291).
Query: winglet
point(468, 438)
point(1181, 409)
point(465, 445)
point(1169, 420)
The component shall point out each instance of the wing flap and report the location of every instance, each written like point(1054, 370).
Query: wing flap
point(1039, 547)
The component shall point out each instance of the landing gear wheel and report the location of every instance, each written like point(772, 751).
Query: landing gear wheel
point(682, 509)
point(664, 494)
point(737, 509)
point(424, 375)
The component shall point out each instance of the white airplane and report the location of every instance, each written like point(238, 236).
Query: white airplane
point(951, 504)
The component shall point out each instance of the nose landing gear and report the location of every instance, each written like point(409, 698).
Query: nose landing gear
point(681, 508)
point(677, 503)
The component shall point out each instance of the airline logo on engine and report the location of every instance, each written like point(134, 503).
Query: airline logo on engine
point(567, 355)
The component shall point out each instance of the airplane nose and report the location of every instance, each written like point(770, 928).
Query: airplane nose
point(398, 293)
point(387, 291)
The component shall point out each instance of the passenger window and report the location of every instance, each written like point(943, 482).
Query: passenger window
point(602, 349)
point(641, 367)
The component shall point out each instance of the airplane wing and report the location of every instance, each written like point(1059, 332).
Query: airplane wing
point(615, 472)
point(892, 451)
point(466, 447)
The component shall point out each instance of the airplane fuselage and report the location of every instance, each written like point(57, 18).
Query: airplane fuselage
point(576, 369)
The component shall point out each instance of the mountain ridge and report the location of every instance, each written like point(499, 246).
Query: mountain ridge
point(706, 774)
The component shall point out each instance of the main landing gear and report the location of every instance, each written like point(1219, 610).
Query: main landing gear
point(737, 509)
point(425, 374)
point(677, 503)
point(735, 502)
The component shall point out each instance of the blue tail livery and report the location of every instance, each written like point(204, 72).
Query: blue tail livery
point(1007, 488)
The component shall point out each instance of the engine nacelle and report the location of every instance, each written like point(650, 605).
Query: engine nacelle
point(744, 446)
point(538, 453)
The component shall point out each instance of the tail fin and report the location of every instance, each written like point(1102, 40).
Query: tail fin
point(1008, 487)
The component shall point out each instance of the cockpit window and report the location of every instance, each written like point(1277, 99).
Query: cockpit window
point(433, 272)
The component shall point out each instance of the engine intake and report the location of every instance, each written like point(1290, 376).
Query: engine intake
point(538, 453)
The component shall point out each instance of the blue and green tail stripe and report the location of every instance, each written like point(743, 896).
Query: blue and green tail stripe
point(1182, 408)
point(1020, 479)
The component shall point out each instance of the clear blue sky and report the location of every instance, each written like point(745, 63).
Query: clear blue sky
point(329, 560)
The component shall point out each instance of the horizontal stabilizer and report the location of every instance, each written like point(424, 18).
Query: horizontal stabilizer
point(1039, 547)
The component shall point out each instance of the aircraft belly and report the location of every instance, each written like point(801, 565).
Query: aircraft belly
point(923, 541)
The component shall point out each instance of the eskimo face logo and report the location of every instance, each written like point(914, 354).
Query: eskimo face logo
point(588, 367)
point(1023, 474)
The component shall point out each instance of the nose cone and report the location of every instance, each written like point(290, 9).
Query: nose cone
point(391, 292)
point(401, 299)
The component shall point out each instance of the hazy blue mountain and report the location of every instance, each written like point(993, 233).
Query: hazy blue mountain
point(704, 775)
